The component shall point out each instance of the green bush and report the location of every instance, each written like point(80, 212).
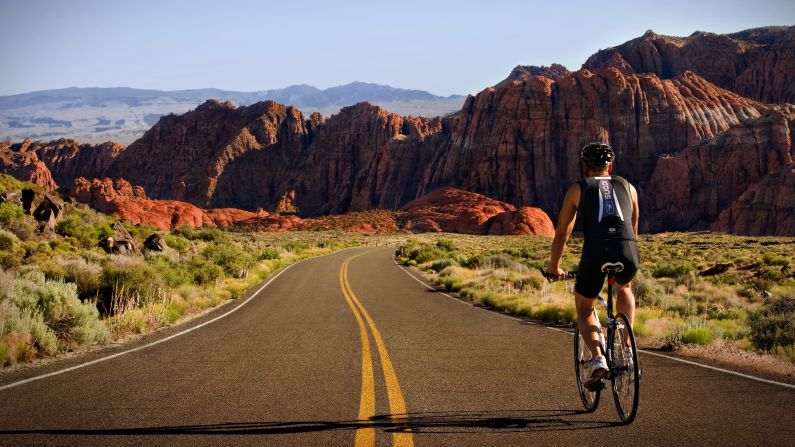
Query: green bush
point(230, 257)
point(774, 259)
point(774, 325)
point(425, 253)
point(699, 335)
point(86, 275)
point(438, 266)
point(72, 226)
point(128, 283)
point(9, 183)
point(10, 212)
point(674, 270)
point(647, 291)
point(445, 244)
point(173, 273)
point(204, 272)
point(177, 242)
point(268, 253)
point(295, 246)
point(62, 313)
point(7, 240)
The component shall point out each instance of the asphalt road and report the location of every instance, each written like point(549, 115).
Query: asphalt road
point(348, 349)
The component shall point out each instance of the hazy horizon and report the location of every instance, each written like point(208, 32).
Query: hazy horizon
point(444, 48)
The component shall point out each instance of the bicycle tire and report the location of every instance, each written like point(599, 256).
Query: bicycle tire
point(582, 355)
point(625, 376)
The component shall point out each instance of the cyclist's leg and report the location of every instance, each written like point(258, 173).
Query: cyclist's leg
point(587, 324)
point(625, 301)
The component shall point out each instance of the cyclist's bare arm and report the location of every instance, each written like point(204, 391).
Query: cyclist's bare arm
point(635, 212)
point(568, 213)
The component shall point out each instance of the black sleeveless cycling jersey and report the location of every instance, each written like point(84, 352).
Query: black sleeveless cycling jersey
point(605, 210)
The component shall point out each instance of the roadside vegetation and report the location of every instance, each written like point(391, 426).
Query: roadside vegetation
point(694, 290)
point(59, 291)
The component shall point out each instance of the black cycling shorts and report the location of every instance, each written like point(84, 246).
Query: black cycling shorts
point(590, 277)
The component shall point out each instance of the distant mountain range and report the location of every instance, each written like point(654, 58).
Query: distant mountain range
point(123, 114)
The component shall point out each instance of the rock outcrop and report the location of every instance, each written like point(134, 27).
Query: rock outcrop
point(457, 211)
point(693, 187)
point(25, 166)
point(765, 208)
point(525, 72)
point(120, 199)
point(756, 63)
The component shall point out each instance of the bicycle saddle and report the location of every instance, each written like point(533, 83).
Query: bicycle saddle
point(613, 267)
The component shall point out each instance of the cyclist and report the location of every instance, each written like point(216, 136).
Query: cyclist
point(608, 209)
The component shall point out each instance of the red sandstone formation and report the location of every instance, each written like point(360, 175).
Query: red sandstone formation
point(25, 166)
point(119, 198)
point(525, 72)
point(517, 143)
point(765, 208)
point(457, 211)
point(756, 63)
point(689, 190)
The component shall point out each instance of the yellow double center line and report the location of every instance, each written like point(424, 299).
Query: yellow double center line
point(365, 436)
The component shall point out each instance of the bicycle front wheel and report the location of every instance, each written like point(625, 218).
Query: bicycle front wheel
point(582, 357)
point(625, 369)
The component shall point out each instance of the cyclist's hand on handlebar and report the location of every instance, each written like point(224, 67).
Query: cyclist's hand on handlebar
point(555, 274)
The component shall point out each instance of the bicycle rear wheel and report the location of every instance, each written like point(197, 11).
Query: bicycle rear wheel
point(582, 357)
point(625, 369)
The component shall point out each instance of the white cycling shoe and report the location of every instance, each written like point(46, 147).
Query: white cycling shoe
point(597, 371)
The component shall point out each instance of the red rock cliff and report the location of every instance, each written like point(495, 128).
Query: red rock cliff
point(756, 63)
point(693, 187)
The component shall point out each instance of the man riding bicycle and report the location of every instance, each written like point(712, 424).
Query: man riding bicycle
point(608, 209)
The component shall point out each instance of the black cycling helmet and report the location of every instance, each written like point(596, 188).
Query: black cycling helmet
point(597, 154)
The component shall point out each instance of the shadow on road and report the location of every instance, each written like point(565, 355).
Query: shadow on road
point(434, 422)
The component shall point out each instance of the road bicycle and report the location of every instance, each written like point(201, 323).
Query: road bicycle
point(620, 352)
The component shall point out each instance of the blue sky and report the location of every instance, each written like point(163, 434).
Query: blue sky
point(445, 47)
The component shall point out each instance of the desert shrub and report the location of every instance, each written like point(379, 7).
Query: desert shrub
point(177, 242)
point(86, 275)
point(57, 302)
point(73, 226)
point(9, 183)
point(527, 253)
point(296, 246)
point(673, 270)
point(699, 335)
point(230, 257)
point(773, 325)
point(10, 212)
point(774, 259)
point(445, 244)
point(786, 353)
point(438, 266)
point(173, 273)
point(423, 253)
point(203, 271)
point(140, 232)
point(127, 283)
point(268, 253)
point(772, 274)
point(7, 240)
point(647, 291)
point(60, 245)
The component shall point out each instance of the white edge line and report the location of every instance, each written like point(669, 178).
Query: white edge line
point(689, 362)
point(156, 342)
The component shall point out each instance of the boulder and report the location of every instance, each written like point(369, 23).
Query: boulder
point(121, 242)
point(457, 211)
point(155, 242)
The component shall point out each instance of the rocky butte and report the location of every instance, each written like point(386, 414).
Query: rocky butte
point(691, 139)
